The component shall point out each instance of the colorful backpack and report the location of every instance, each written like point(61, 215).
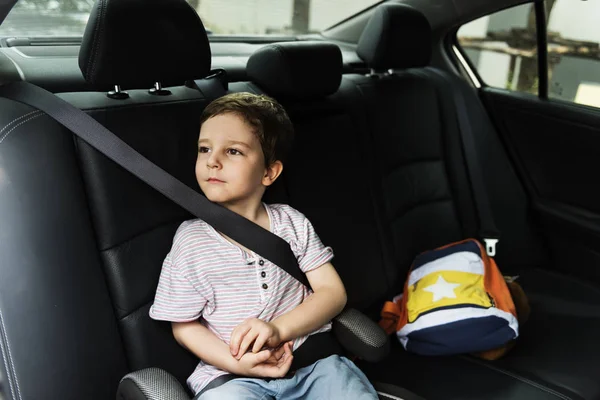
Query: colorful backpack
point(455, 301)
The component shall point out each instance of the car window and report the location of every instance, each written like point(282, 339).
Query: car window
point(38, 18)
point(503, 49)
point(573, 52)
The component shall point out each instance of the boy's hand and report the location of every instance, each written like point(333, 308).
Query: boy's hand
point(270, 363)
point(255, 331)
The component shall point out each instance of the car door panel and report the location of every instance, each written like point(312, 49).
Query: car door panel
point(556, 148)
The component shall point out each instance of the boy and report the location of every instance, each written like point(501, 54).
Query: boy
point(252, 314)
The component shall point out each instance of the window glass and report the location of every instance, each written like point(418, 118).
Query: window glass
point(573, 52)
point(503, 48)
point(38, 18)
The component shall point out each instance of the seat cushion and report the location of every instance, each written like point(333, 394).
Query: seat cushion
point(559, 344)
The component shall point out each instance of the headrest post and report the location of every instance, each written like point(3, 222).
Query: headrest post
point(118, 94)
point(158, 90)
point(375, 74)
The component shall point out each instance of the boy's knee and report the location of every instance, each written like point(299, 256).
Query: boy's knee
point(342, 377)
point(338, 366)
point(334, 361)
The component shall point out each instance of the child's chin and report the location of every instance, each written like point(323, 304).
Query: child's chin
point(216, 198)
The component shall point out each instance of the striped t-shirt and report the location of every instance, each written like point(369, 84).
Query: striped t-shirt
point(205, 275)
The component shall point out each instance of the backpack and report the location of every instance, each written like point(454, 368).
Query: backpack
point(455, 301)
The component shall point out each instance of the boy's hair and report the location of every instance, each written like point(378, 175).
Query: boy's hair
point(265, 116)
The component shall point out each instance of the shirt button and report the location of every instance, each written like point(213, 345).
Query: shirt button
point(261, 262)
point(265, 286)
point(263, 274)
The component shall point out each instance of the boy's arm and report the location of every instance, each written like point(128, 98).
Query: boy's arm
point(209, 348)
point(204, 344)
point(327, 301)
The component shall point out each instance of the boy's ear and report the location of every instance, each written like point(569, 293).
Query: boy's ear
point(272, 173)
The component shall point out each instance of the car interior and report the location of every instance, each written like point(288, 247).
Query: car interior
point(377, 166)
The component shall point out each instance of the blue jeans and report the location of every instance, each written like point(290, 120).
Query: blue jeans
point(333, 377)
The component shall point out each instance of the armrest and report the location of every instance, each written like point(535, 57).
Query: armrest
point(151, 384)
point(360, 335)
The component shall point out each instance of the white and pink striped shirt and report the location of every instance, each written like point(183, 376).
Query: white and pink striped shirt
point(205, 275)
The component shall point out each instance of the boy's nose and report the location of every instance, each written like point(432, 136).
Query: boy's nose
point(213, 161)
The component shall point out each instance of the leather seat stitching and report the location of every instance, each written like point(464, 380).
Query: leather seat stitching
point(6, 353)
point(7, 356)
point(16, 119)
point(19, 124)
point(10, 383)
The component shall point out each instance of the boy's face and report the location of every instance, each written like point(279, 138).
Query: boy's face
point(230, 168)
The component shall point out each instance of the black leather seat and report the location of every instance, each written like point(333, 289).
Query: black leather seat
point(327, 175)
point(121, 227)
point(377, 163)
point(412, 134)
point(367, 177)
point(80, 262)
point(428, 202)
point(326, 163)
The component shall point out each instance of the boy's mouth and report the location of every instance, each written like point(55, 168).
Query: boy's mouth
point(214, 180)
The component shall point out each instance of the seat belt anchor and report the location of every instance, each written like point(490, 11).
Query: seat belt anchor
point(490, 246)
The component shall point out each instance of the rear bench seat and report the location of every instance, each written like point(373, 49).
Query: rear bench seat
point(414, 126)
point(90, 255)
point(80, 264)
point(410, 147)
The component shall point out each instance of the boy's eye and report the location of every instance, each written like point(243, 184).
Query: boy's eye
point(203, 149)
point(234, 152)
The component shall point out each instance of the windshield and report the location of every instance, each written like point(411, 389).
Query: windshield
point(35, 18)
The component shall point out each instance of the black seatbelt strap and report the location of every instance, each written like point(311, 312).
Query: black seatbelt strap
point(487, 228)
point(214, 85)
point(240, 229)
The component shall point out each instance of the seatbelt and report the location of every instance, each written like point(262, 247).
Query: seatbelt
point(214, 85)
point(240, 229)
point(487, 228)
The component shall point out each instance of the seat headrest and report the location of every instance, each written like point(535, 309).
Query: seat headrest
point(396, 36)
point(135, 43)
point(297, 70)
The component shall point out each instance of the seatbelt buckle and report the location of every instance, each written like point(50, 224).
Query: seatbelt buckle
point(490, 246)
